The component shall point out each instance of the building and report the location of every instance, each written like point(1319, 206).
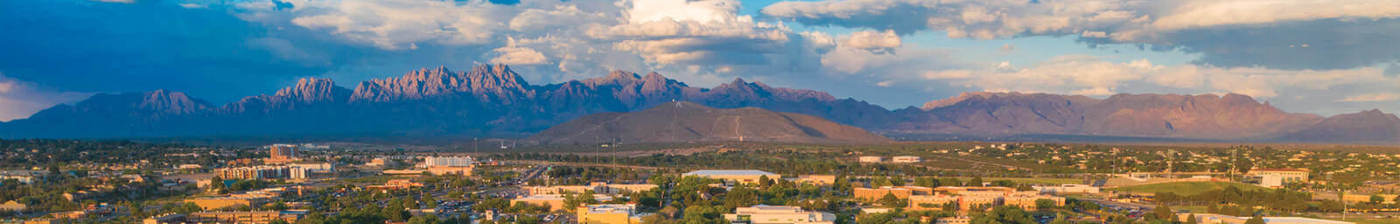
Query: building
point(244, 217)
point(1276, 177)
point(555, 202)
point(164, 219)
point(396, 184)
point(283, 151)
point(1208, 218)
point(871, 159)
point(901, 192)
point(461, 161)
point(739, 176)
point(964, 198)
point(596, 187)
point(23, 176)
point(1068, 189)
point(212, 203)
point(819, 180)
point(254, 172)
point(609, 214)
point(953, 220)
point(767, 214)
point(13, 206)
point(906, 159)
point(451, 170)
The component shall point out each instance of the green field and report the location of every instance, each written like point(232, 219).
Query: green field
point(1186, 188)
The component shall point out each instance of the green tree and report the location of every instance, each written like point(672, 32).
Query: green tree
point(975, 182)
point(1004, 215)
point(1191, 219)
point(1163, 212)
point(1044, 204)
point(892, 201)
point(1255, 220)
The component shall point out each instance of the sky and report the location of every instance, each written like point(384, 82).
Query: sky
point(1324, 57)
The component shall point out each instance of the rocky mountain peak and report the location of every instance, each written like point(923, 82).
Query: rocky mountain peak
point(309, 90)
point(171, 102)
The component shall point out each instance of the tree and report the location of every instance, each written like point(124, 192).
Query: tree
point(892, 201)
point(1004, 215)
point(1377, 199)
point(1163, 212)
point(975, 182)
point(1044, 204)
point(1191, 219)
point(1255, 220)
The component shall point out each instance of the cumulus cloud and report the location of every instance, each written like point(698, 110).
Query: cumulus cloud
point(1232, 33)
point(402, 24)
point(872, 40)
point(518, 56)
point(20, 99)
point(1088, 75)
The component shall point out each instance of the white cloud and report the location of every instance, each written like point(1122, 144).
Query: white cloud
point(702, 11)
point(1372, 97)
point(872, 40)
point(20, 100)
point(400, 24)
point(1231, 33)
point(519, 56)
point(1087, 75)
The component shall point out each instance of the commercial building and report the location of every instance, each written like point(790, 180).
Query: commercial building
point(212, 203)
point(253, 217)
point(455, 161)
point(1276, 177)
point(953, 220)
point(906, 159)
point(609, 214)
point(596, 187)
point(767, 214)
point(820, 180)
point(13, 206)
point(283, 151)
point(964, 198)
point(451, 170)
point(253, 172)
point(1208, 218)
point(739, 176)
point(871, 159)
point(555, 202)
point(1068, 189)
point(901, 192)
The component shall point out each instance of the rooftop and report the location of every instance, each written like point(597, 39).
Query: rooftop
point(727, 172)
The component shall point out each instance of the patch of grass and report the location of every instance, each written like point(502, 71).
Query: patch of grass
point(1186, 188)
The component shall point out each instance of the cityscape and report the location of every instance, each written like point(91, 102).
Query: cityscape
point(699, 112)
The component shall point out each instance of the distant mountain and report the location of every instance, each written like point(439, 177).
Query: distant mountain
point(494, 101)
point(691, 122)
point(488, 100)
point(1205, 116)
point(1372, 126)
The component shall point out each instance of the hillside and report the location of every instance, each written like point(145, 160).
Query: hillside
point(494, 101)
point(1372, 126)
point(691, 122)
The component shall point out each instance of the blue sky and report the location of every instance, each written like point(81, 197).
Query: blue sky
point(1303, 56)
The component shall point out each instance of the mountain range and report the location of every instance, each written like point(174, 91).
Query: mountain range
point(494, 101)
